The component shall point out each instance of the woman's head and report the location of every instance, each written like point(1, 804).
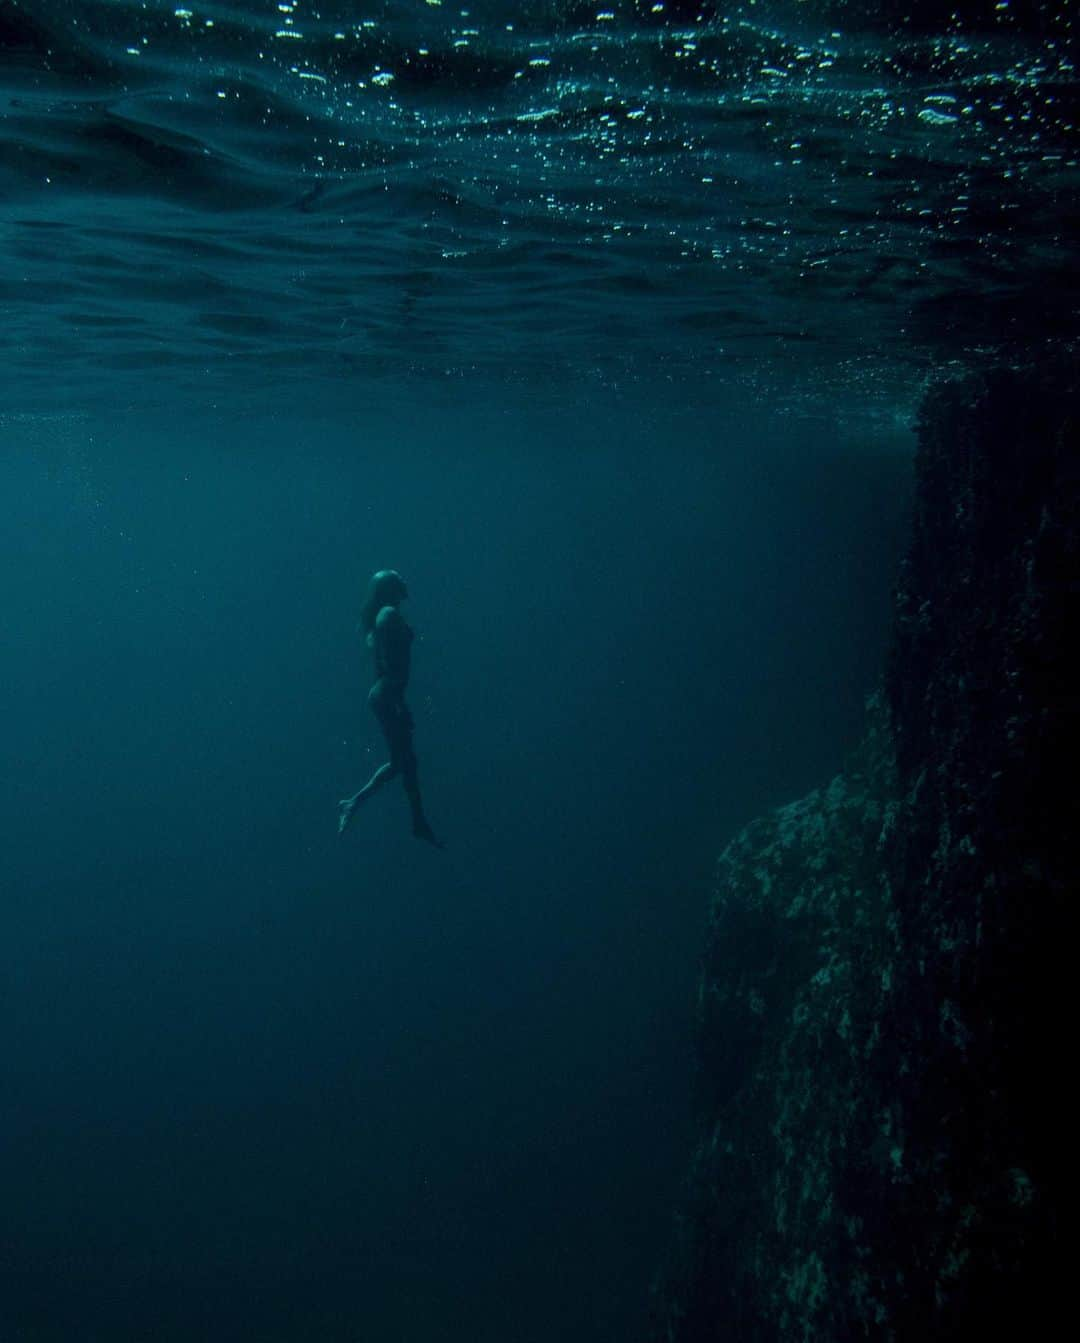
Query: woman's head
point(387, 588)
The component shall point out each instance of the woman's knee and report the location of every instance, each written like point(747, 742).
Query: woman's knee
point(405, 764)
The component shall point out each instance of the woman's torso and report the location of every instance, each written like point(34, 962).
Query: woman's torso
point(392, 647)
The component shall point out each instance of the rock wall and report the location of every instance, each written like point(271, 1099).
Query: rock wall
point(885, 985)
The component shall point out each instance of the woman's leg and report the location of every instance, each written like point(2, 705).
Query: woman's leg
point(397, 725)
point(348, 805)
point(420, 827)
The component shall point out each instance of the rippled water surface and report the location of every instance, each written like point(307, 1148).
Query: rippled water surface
point(267, 196)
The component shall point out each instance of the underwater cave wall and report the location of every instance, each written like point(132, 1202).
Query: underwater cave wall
point(885, 983)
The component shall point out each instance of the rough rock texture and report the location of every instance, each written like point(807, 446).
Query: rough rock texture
point(885, 987)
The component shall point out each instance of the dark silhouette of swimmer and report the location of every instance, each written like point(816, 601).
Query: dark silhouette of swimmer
point(390, 639)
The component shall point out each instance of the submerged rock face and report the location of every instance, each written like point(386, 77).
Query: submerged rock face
point(884, 988)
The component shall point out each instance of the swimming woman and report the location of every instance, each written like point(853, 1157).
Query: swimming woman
point(390, 639)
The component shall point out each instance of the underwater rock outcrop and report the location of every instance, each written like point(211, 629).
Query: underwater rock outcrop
point(886, 983)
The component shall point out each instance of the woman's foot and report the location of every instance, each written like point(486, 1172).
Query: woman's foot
point(346, 807)
point(422, 830)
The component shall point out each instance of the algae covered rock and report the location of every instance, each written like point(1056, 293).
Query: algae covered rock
point(884, 984)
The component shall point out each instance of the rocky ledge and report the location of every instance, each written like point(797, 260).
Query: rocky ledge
point(885, 987)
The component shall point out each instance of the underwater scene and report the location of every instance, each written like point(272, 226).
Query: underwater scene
point(539, 548)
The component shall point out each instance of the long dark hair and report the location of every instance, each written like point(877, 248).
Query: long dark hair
point(387, 587)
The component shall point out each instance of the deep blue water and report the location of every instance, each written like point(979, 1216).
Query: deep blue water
point(604, 324)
